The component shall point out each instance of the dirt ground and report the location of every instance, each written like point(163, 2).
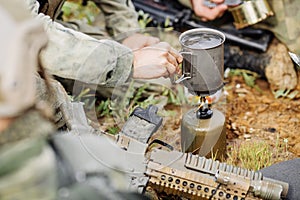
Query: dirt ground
point(251, 115)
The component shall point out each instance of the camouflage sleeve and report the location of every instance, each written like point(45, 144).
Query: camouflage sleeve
point(120, 15)
point(74, 55)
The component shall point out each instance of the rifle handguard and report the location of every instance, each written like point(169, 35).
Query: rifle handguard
point(196, 177)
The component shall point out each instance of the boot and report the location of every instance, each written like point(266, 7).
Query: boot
point(236, 58)
point(275, 65)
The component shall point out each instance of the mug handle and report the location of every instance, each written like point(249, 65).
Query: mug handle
point(186, 67)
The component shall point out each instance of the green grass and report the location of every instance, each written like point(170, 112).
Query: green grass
point(257, 154)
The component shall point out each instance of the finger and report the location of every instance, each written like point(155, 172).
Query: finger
point(210, 13)
point(222, 7)
point(175, 65)
point(176, 54)
point(172, 59)
point(164, 46)
point(170, 68)
point(221, 14)
point(213, 13)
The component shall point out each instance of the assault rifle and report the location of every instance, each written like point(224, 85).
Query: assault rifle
point(181, 18)
point(187, 175)
point(172, 172)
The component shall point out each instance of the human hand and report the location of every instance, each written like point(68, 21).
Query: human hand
point(138, 41)
point(205, 13)
point(155, 61)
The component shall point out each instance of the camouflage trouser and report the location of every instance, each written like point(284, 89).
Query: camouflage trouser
point(27, 163)
point(285, 23)
point(99, 32)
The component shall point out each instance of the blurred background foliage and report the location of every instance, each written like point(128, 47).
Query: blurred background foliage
point(77, 10)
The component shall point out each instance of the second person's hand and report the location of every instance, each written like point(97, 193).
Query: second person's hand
point(207, 14)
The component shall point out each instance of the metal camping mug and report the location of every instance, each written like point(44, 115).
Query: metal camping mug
point(203, 60)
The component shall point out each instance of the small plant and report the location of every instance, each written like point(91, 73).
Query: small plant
point(113, 130)
point(144, 19)
point(249, 77)
point(176, 96)
point(285, 93)
point(103, 108)
point(143, 94)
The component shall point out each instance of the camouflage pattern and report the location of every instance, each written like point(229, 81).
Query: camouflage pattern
point(120, 15)
point(285, 23)
point(123, 24)
point(73, 55)
point(24, 127)
point(30, 168)
point(27, 164)
point(53, 97)
point(117, 16)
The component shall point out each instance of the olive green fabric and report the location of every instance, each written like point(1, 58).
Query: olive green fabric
point(120, 15)
point(34, 178)
point(30, 124)
point(285, 23)
point(117, 16)
point(27, 164)
point(55, 97)
point(73, 55)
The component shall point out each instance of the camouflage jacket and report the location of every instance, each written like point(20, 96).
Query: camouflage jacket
point(73, 55)
point(26, 161)
point(36, 164)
